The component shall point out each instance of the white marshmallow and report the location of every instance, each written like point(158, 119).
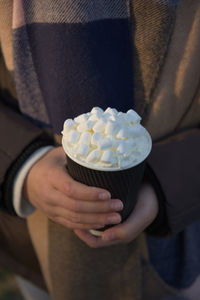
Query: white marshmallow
point(121, 115)
point(96, 138)
point(82, 118)
point(83, 150)
point(121, 149)
point(99, 126)
point(135, 154)
point(105, 143)
point(90, 124)
point(122, 134)
point(111, 111)
point(96, 110)
point(130, 152)
point(106, 116)
point(85, 138)
point(82, 127)
point(93, 156)
point(107, 156)
point(122, 161)
point(68, 125)
point(114, 141)
point(136, 130)
point(73, 136)
point(130, 143)
point(135, 117)
point(128, 120)
point(111, 128)
point(95, 117)
point(106, 138)
point(113, 118)
point(142, 144)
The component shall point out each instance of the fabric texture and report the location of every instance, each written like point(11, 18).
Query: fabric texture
point(16, 252)
point(178, 261)
point(116, 272)
point(152, 25)
point(175, 102)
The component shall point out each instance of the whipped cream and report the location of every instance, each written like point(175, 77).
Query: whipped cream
point(107, 139)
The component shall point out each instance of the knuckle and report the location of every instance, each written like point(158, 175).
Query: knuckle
point(99, 219)
point(109, 206)
point(75, 206)
point(105, 219)
point(75, 218)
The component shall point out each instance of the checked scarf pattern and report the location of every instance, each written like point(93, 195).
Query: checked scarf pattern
point(71, 55)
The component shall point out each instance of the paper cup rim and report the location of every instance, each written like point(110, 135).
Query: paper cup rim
point(89, 166)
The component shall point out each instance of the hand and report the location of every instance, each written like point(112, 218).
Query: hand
point(49, 188)
point(143, 215)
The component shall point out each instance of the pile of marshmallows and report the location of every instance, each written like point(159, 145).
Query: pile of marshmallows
point(108, 139)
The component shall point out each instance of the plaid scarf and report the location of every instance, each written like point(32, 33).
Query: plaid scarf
point(76, 54)
point(72, 55)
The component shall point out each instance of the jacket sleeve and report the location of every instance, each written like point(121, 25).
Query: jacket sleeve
point(173, 168)
point(19, 138)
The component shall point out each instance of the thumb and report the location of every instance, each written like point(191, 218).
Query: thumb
point(144, 213)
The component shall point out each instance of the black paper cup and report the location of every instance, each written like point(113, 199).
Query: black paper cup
point(123, 184)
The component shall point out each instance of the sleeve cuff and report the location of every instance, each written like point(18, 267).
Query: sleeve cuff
point(159, 227)
point(22, 206)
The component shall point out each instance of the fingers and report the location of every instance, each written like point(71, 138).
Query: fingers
point(86, 218)
point(66, 201)
point(91, 240)
point(71, 225)
point(59, 199)
point(76, 212)
point(144, 213)
point(128, 230)
point(117, 234)
point(73, 189)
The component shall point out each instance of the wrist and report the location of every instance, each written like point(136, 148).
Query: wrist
point(21, 204)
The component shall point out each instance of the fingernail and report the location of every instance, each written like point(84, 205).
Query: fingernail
point(114, 219)
point(109, 236)
point(117, 205)
point(104, 196)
